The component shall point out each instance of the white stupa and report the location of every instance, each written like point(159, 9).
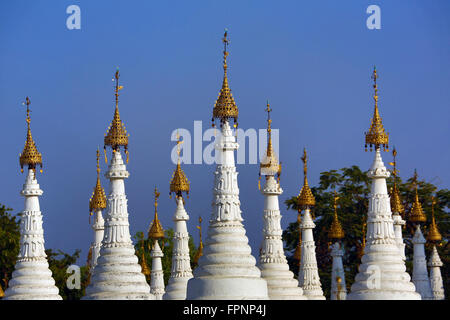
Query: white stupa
point(117, 275)
point(382, 273)
point(32, 278)
point(96, 204)
point(397, 210)
point(434, 262)
point(272, 261)
point(156, 232)
point(181, 262)
point(420, 271)
point(227, 270)
point(336, 233)
point(308, 274)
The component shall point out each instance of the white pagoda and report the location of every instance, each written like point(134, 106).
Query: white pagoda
point(336, 234)
point(117, 275)
point(181, 262)
point(32, 278)
point(272, 261)
point(308, 274)
point(155, 233)
point(97, 203)
point(382, 273)
point(397, 210)
point(226, 270)
point(435, 263)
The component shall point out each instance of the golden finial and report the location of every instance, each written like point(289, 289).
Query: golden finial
point(298, 249)
point(269, 165)
point(416, 215)
point(225, 107)
point(199, 252)
point(144, 265)
point(433, 232)
point(156, 231)
point(116, 135)
point(305, 197)
point(30, 155)
point(179, 182)
point(336, 232)
point(98, 198)
point(376, 135)
point(396, 203)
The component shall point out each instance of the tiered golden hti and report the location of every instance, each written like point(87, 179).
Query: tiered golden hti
point(417, 215)
point(336, 232)
point(305, 198)
point(269, 165)
point(199, 252)
point(179, 182)
point(225, 108)
point(396, 203)
point(156, 231)
point(98, 198)
point(376, 136)
point(433, 235)
point(30, 156)
point(116, 135)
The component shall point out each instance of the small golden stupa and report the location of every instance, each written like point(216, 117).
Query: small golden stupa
point(98, 198)
point(376, 136)
point(417, 215)
point(199, 252)
point(225, 108)
point(396, 203)
point(305, 198)
point(433, 232)
point(30, 156)
point(336, 232)
point(179, 182)
point(156, 231)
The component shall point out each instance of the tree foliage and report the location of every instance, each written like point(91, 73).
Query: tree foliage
point(353, 187)
point(9, 244)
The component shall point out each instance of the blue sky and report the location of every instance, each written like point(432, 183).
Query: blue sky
point(311, 59)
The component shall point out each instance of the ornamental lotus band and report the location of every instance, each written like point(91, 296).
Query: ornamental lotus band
point(224, 267)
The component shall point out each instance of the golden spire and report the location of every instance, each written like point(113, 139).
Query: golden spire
point(116, 135)
point(98, 198)
point(179, 182)
point(336, 232)
point(298, 249)
point(416, 214)
point(305, 197)
point(156, 231)
point(269, 165)
point(30, 155)
point(144, 265)
point(396, 203)
point(225, 107)
point(199, 252)
point(433, 232)
point(376, 135)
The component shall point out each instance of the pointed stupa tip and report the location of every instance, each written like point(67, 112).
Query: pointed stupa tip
point(376, 136)
point(156, 231)
point(30, 156)
point(225, 107)
point(199, 252)
point(417, 215)
point(269, 165)
point(433, 232)
point(116, 135)
point(336, 232)
point(179, 182)
point(396, 203)
point(145, 269)
point(98, 198)
point(305, 197)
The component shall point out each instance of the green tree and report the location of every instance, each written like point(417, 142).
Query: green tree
point(9, 244)
point(353, 186)
point(167, 247)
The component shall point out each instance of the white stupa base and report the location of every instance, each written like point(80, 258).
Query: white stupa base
point(281, 284)
point(118, 276)
point(382, 276)
point(176, 289)
point(227, 270)
point(32, 280)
